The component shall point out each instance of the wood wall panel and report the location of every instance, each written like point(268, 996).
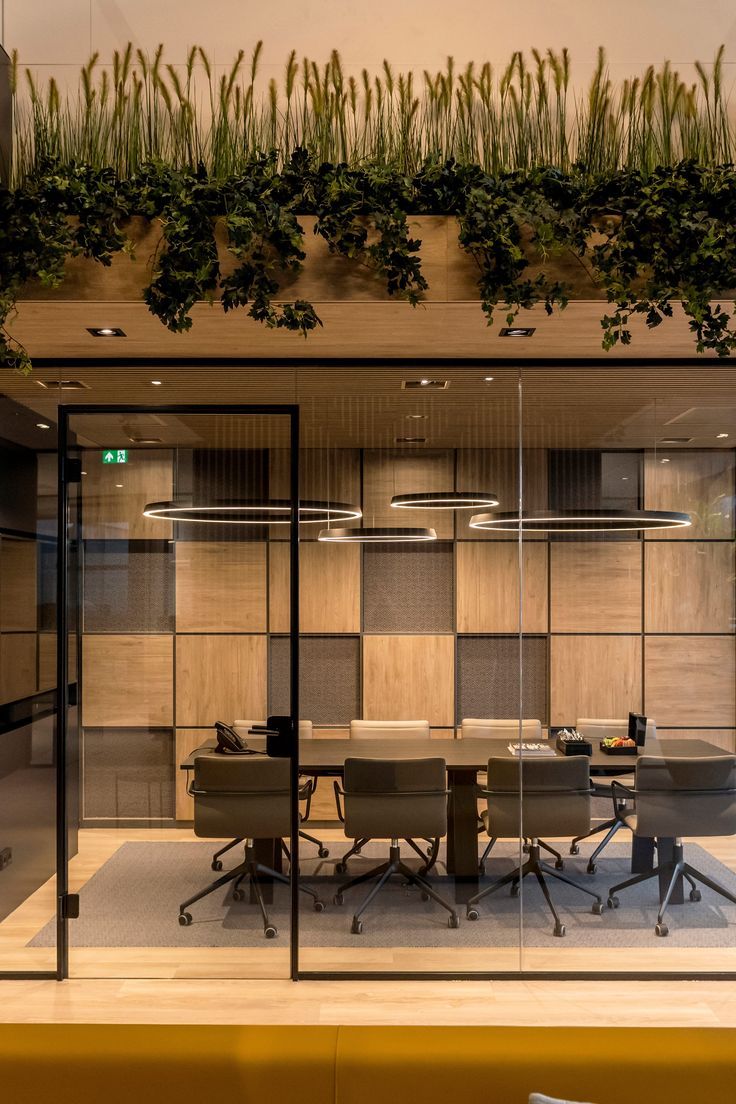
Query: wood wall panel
point(697, 483)
point(409, 678)
point(187, 739)
point(387, 472)
point(690, 680)
point(689, 587)
point(497, 469)
point(220, 586)
point(18, 585)
point(47, 659)
point(596, 586)
point(594, 676)
point(128, 681)
point(17, 666)
point(112, 512)
point(488, 587)
point(219, 678)
point(722, 737)
point(329, 594)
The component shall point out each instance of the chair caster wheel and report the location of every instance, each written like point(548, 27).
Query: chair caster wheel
point(514, 891)
point(319, 906)
point(270, 932)
point(453, 921)
point(574, 849)
point(338, 899)
point(559, 930)
point(238, 895)
point(185, 919)
point(597, 909)
point(612, 902)
point(591, 868)
point(424, 896)
point(661, 929)
point(694, 894)
point(341, 868)
point(323, 853)
point(472, 914)
point(216, 864)
point(356, 927)
point(559, 864)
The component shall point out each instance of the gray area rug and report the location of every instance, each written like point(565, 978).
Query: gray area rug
point(133, 899)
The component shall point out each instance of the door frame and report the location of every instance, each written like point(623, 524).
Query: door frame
point(65, 477)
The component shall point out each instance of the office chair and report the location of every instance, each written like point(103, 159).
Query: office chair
point(529, 798)
point(248, 797)
point(394, 799)
point(600, 729)
point(382, 730)
point(679, 797)
point(306, 789)
point(507, 729)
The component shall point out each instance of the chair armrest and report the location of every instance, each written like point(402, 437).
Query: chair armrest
point(338, 794)
point(620, 792)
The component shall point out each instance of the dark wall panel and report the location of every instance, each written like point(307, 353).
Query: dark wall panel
point(408, 589)
point(330, 678)
point(128, 586)
point(488, 677)
point(128, 773)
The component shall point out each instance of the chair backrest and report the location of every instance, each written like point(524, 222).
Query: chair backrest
point(241, 795)
point(555, 796)
point(385, 730)
point(306, 729)
point(508, 729)
point(603, 727)
point(395, 798)
point(686, 796)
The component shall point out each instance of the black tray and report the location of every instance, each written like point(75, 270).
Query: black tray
point(619, 750)
point(574, 747)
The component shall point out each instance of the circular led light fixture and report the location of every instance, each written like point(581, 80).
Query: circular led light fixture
point(375, 534)
point(445, 500)
point(582, 521)
point(273, 511)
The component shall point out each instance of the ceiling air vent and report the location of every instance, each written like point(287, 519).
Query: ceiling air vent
point(145, 440)
point(410, 440)
point(63, 385)
point(675, 440)
point(425, 384)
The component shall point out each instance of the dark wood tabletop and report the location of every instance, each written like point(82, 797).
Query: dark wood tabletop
point(327, 756)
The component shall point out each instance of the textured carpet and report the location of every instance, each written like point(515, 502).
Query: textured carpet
point(133, 899)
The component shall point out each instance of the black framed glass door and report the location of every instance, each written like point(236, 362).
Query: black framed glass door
point(178, 599)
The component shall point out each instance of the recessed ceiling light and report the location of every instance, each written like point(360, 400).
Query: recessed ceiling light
point(488, 379)
point(42, 425)
point(720, 436)
point(410, 440)
point(665, 460)
point(516, 331)
point(415, 417)
point(106, 331)
point(84, 473)
point(119, 485)
point(426, 384)
point(157, 383)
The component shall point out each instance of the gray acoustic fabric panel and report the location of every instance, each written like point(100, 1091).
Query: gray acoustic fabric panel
point(128, 773)
point(330, 678)
point(488, 677)
point(128, 586)
point(408, 589)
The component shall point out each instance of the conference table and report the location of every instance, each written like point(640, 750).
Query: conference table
point(325, 757)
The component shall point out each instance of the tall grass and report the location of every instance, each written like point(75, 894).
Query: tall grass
point(141, 108)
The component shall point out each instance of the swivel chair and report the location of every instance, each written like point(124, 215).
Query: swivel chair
point(600, 729)
point(508, 729)
point(674, 798)
point(394, 799)
point(550, 796)
point(246, 797)
point(307, 786)
point(386, 730)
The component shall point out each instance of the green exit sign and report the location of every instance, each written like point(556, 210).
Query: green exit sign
point(115, 456)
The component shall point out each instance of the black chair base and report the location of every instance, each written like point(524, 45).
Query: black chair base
point(559, 864)
point(675, 870)
point(387, 870)
point(533, 865)
point(429, 859)
point(249, 869)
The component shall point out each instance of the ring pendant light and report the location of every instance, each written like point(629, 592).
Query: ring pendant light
point(377, 534)
point(445, 500)
point(581, 521)
point(274, 511)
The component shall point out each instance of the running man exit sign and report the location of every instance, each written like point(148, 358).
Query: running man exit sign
point(115, 456)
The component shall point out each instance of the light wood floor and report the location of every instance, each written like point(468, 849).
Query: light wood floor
point(97, 845)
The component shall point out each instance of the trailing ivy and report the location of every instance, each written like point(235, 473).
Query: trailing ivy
point(647, 240)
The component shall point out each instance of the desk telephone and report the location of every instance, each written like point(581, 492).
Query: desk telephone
point(277, 730)
point(230, 743)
